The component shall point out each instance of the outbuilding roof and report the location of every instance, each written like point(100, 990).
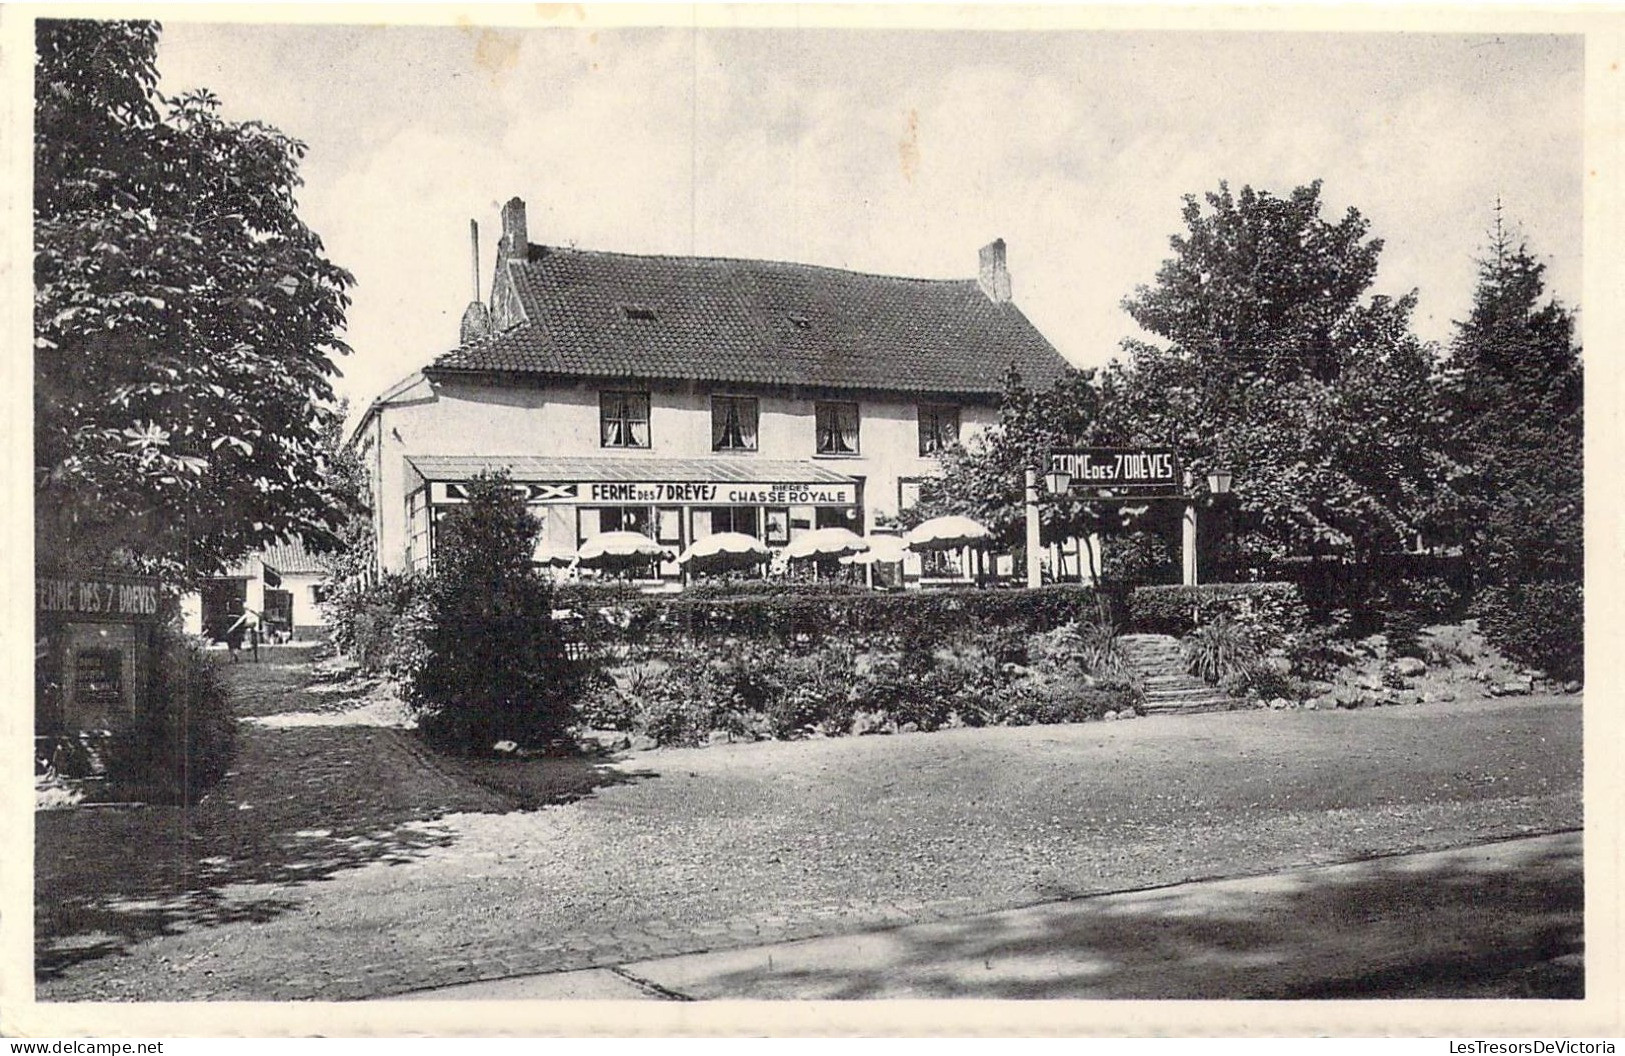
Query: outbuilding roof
point(289, 557)
point(617, 315)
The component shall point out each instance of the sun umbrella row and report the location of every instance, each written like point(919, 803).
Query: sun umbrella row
point(725, 551)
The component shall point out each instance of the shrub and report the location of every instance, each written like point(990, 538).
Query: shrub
point(1539, 624)
point(1431, 598)
point(1052, 699)
point(1319, 652)
point(186, 739)
point(820, 689)
point(380, 625)
point(493, 665)
point(1091, 647)
point(1217, 650)
point(1263, 681)
point(1403, 629)
point(1268, 613)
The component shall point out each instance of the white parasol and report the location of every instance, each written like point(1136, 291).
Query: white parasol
point(724, 550)
point(556, 555)
point(947, 533)
point(619, 550)
point(825, 543)
point(883, 549)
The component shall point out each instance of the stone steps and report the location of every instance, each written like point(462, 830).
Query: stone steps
point(1158, 661)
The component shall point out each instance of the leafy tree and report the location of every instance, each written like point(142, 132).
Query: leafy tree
point(985, 478)
point(493, 666)
point(184, 318)
point(1275, 364)
point(1515, 410)
point(351, 542)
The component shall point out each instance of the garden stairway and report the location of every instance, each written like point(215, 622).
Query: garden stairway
point(1158, 662)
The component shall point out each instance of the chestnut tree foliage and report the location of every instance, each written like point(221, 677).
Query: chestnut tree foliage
point(1274, 361)
point(185, 318)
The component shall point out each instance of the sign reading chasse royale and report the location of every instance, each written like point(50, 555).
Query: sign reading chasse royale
point(668, 493)
point(1118, 467)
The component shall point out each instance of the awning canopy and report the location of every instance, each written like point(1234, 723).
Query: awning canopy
point(656, 481)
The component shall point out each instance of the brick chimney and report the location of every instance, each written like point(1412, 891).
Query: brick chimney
point(515, 239)
point(994, 276)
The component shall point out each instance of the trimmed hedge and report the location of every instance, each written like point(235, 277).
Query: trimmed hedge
point(1268, 612)
point(798, 612)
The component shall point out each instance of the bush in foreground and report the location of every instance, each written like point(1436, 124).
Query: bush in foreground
point(493, 666)
point(1539, 624)
point(186, 739)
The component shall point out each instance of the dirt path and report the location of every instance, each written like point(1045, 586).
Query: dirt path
point(345, 862)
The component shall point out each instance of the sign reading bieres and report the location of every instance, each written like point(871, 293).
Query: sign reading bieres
point(1118, 468)
point(666, 493)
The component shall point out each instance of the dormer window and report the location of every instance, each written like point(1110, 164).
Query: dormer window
point(637, 311)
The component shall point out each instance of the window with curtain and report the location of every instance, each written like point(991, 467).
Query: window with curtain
point(939, 427)
point(623, 419)
point(733, 423)
point(837, 428)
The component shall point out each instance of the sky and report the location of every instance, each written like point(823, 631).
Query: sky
point(897, 152)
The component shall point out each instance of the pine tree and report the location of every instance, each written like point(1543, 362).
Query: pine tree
point(1516, 416)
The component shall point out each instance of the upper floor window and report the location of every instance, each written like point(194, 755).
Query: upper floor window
point(623, 419)
point(733, 423)
point(939, 428)
point(837, 428)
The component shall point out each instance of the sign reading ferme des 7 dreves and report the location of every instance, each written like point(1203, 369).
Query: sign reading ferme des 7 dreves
point(1118, 468)
point(96, 596)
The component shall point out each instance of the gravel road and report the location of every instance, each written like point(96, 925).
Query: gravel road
point(346, 862)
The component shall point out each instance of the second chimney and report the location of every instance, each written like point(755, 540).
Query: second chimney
point(476, 317)
point(994, 275)
point(515, 239)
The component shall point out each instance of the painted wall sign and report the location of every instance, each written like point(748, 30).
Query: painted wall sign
point(666, 493)
point(96, 596)
point(1119, 468)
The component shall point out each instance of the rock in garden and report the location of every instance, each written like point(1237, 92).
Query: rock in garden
point(1311, 705)
point(909, 727)
point(1280, 704)
point(643, 742)
point(719, 737)
point(1407, 697)
point(1410, 666)
point(1571, 687)
point(1110, 716)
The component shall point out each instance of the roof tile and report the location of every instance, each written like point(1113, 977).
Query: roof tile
point(762, 322)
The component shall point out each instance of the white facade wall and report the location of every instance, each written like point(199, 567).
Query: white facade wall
point(562, 419)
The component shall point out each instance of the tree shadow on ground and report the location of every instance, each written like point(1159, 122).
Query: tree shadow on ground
point(301, 804)
point(1456, 930)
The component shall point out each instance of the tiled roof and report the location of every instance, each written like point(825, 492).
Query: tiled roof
point(564, 470)
point(616, 315)
point(287, 557)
